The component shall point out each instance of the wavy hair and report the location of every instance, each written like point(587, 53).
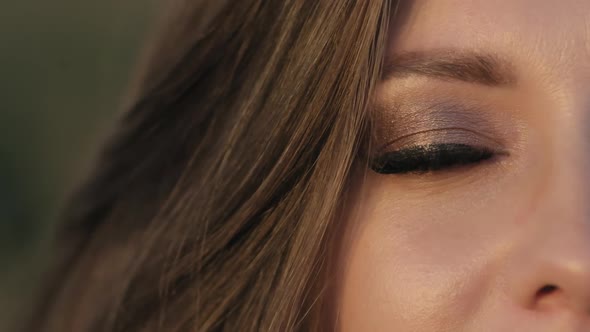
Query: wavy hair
point(213, 204)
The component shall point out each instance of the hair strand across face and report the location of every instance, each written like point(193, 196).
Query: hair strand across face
point(212, 206)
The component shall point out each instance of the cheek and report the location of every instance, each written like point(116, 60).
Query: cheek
point(422, 262)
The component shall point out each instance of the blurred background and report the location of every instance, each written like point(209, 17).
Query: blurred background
point(64, 67)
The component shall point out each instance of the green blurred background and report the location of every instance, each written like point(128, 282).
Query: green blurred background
point(64, 67)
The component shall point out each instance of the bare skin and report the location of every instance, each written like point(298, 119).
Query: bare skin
point(500, 244)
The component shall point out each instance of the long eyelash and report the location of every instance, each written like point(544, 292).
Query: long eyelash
point(430, 158)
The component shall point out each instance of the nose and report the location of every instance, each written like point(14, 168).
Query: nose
point(552, 267)
point(558, 278)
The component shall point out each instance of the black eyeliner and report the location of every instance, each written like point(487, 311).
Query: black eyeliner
point(431, 157)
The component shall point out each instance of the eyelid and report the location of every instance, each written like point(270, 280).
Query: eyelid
point(401, 122)
point(430, 158)
point(455, 135)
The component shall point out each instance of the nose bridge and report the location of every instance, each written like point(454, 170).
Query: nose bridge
point(568, 194)
point(567, 156)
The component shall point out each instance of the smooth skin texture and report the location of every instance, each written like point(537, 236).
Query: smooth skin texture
point(499, 245)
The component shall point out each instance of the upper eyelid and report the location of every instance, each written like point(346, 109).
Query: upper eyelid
point(402, 120)
point(421, 112)
point(476, 138)
point(472, 131)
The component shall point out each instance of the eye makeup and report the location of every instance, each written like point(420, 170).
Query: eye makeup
point(439, 136)
point(429, 158)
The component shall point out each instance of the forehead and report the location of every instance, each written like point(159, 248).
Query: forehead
point(557, 29)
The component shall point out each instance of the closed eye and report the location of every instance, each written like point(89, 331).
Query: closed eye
point(430, 158)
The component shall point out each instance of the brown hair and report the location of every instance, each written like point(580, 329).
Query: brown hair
point(212, 206)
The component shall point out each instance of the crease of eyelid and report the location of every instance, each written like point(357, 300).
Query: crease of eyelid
point(443, 113)
point(469, 111)
point(397, 139)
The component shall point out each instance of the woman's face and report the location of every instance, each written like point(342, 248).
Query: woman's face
point(475, 216)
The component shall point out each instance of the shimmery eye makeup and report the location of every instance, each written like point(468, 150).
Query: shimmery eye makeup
point(429, 158)
point(431, 135)
point(420, 123)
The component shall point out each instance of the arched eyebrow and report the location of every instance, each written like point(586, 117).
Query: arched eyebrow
point(470, 67)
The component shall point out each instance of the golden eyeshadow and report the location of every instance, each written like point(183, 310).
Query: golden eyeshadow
point(444, 122)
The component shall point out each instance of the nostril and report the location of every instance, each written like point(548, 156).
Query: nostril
point(546, 290)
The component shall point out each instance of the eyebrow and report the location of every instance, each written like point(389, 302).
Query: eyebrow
point(470, 67)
